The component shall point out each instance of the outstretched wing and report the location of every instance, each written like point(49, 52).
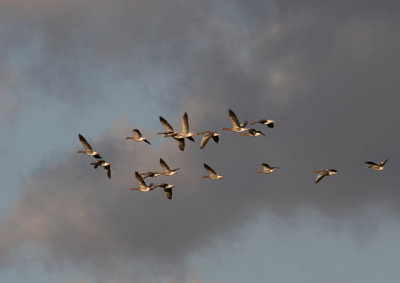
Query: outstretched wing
point(164, 166)
point(262, 121)
point(209, 169)
point(84, 142)
point(108, 171)
point(244, 124)
point(137, 133)
point(139, 179)
point(215, 138)
point(371, 163)
point(166, 125)
point(383, 162)
point(181, 143)
point(234, 120)
point(185, 123)
point(205, 139)
point(168, 192)
point(266, 165)
point(321, 175)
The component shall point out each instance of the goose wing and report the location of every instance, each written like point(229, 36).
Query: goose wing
point(209, 170)
point(205, 139)
point(266, 165)
point(262, 121)
point(371, 163)
point(234, 120)
point(139, 179)
point(166, 125)
point(137, 133)
point(185, 123)
point(244, 124)
point(321, 175)
point(181, 143)
point(164, 166)
point(215, 138)
point(383, 162)
point(84, 143)
point(108, 171)
point(168, 192)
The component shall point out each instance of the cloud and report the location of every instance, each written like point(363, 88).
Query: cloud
point(318, 72)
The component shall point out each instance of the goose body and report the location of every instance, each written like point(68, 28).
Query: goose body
point(207, 136)
point(323, 173)
point(211, 173)
point(137, 136)
point(267, 169)
point(104, 164)
point(166, 170)
point(253, 133)
point(376, 166)
point(88, 148)
point(236, 126)
point(269, 123)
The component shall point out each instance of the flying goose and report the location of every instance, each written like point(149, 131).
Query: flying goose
point(169, 132)
point(142, 185)
point(137, 136)
point(167, 189)
point(211, 173)
point(105, 165)
point(253, 133)
point(166, 170)
point(269, 123)
point(149, 174)
point(267, 169)
point(88, 149)
point(236, 126)
point(323, 173)
point(376, 166)
point(207, 135)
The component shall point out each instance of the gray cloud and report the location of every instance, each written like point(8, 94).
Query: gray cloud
point(327, 74)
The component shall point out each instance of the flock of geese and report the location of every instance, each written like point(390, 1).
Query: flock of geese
point(180, 137)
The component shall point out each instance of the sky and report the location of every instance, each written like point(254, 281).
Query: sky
point(327, 73)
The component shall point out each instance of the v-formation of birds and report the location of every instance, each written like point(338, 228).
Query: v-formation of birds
point(180, 137)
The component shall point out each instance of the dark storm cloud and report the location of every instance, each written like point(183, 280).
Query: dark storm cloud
point(327, 74)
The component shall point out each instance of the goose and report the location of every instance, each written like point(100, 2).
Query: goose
point(376, 166)
point(137, 136)
point(88, 149)
point(166, 170)
point(207, 135)
point(142, 185)
point(167, 189)
point(184, 133)
point(211, 173)
point(236, 126)
point(323, 173)
point(253, 133)
point(149, 174)
point(267, 169)
point(105, 165)
point(269, 123)
point(169, 132)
